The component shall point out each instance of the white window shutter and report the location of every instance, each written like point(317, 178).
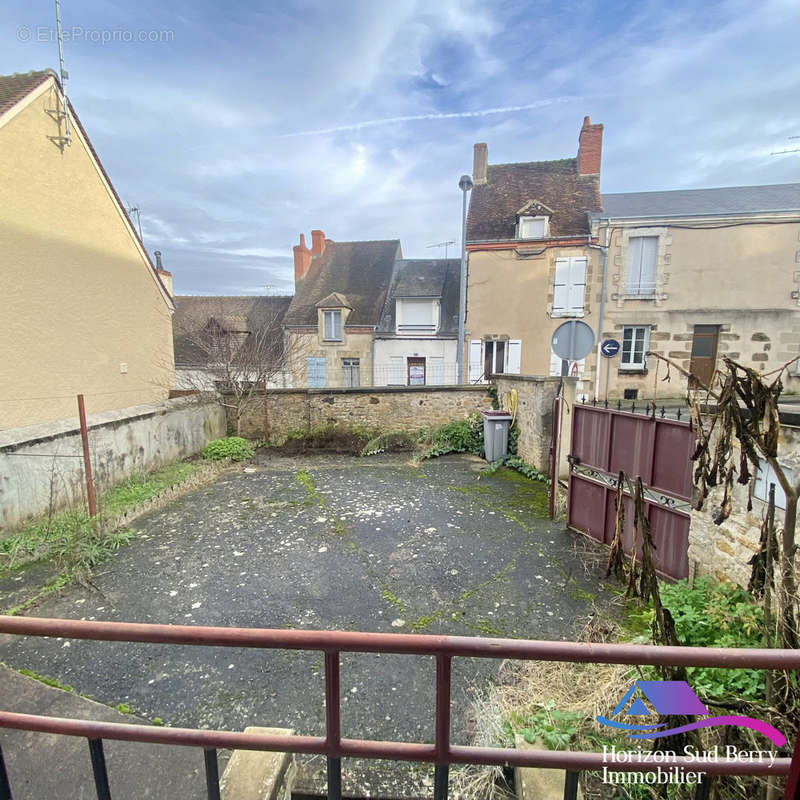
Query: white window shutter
point(514, 356)
point(396, 371)
point(435, 370)
point(633, 266)
point(647, 272)
point(561, 286)
point(577, 284)
point(555, 364)
point(475, 361)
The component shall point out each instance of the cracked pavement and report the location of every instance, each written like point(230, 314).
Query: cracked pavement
point(372, 544)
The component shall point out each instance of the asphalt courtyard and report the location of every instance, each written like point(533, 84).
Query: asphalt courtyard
point(370, 544)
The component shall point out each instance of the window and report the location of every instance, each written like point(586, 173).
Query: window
point(640, 270)
point(534, 227)
point(351, 372)
point(417, 316)
point(494, 357)
point(570, 286)
point(635, 339)
point(315, 373)
point(332, 326)
point(765, 475)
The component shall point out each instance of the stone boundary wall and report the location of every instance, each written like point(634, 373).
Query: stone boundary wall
point(722, 551)
point(41, 466)
point(389, 408)
point(535, 396)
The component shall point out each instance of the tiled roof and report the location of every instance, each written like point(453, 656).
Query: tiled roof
point(724, 200)
point(425, 278)
point(14, 87)
point(361, 271)
point(236, 315)
point(494, 205)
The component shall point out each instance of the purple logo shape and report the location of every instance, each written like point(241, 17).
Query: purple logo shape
point(668, 698)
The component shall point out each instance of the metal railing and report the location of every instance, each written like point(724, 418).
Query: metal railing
point(332, 643)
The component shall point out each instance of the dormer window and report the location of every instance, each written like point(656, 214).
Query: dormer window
point(332, 326)
point(417, 317)
point(533, 227)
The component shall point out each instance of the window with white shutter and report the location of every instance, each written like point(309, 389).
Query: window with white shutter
point(640, 266)
point(514, 356)
point(570, 286)
point(436, 370)
point(533, 227)
point(397, 374)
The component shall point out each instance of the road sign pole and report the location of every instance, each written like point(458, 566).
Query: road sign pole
point(608, 372)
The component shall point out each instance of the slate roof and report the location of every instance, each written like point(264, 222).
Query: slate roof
point(236, 315)
point(361, 271)
point(494, 205)
point(14, 87)
point(425, 278)
point(728, 200)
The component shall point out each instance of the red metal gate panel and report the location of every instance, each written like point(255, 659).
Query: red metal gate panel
point(605, 441)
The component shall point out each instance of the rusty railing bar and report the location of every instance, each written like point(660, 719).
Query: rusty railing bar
point(404, 643)
point(99, 769)
point(359, 748)
point(212, 772)
point(5, 786)
point(441, 773)
point(333, 724)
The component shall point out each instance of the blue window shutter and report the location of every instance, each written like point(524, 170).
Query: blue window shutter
point(315, 373)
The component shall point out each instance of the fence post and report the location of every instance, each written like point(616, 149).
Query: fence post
point(87, 462)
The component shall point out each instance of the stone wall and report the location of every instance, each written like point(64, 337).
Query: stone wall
point(535, 395)
point(389, 408)
point(41, 466)
point(723, 551)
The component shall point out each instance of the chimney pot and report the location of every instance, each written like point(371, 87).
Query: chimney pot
point(590, 148)
point(302, 259)
point(157, 254)
point(480, 163)
point(317, 243)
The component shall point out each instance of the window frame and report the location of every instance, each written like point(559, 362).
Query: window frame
point(761, 484)
point(631, 366)
point(525, 218)
point(334, 314)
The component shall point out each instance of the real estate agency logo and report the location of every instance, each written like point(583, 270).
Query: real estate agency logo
point(659, 699)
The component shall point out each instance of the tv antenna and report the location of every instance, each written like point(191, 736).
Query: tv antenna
point(63, 112)
point(135, 210)
point(790, 150)
point(442, 244)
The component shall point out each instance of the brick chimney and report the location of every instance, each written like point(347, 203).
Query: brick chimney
point(317, 243)
point(302, 259)
point(590, 148)
point(480, 163)
point(166, 277)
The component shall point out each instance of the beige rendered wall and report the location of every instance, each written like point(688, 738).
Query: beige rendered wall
point(509, 295)
point(309, 344)
point(740, 278)
point(79, 299)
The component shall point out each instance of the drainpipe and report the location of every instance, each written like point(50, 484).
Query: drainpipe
point(604, 250)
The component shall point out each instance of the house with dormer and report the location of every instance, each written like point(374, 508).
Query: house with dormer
point(531, 258)
point(415, 343)
point(339, 299)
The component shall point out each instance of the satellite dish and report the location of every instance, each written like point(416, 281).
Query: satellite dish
point(573, 340)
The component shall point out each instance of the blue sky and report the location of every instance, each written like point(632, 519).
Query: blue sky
point(254, 122)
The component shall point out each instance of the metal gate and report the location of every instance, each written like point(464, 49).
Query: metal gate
point(605, 441)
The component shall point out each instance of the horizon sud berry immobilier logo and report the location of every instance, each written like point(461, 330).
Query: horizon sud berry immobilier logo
point(658, 699)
